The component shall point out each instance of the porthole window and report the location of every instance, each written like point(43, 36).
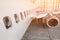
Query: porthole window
point(7, 22)
point(16, 18)
point(53, 22)
point(21, 15)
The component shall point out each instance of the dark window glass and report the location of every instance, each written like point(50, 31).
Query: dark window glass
point(53, 22)
point(7, 21)
point(24, 13)
point(16, 18)
point(21, 15)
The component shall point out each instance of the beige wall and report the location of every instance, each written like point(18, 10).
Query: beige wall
point(47, 5)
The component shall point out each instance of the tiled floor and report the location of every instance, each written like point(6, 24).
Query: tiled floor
point(38, 32)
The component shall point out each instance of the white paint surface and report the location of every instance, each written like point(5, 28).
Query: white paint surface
point(9, 8)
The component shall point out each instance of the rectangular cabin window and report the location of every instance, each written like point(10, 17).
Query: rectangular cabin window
point(7, 22)
point(21, 15)
point(28, 12)
point(16, 18)
point(24, 13)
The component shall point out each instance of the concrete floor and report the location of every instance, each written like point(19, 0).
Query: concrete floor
point(39, 32)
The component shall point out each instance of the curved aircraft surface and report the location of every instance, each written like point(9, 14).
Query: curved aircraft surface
point(16, 16)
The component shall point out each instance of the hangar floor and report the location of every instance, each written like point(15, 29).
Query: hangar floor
point(40, 32)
